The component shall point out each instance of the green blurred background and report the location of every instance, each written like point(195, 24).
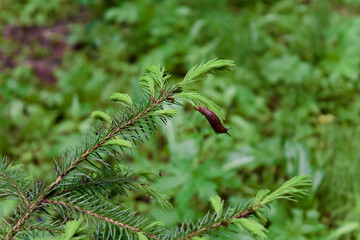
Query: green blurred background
point(293, 101)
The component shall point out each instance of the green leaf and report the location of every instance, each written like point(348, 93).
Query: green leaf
point(141, 236)
point(183, 197)
point(162, 200)
point(154, 78)
point(217, 203)
point(150, 176)
point(196, 99)
point(71, 228)
point(260, 196)
point(165, 112)
point(157, 223)
point(5, 207)
point(202, 70)
point(126, 13)
point(251, 226)
point(157, 74)
point(147, 83)
point(99, 115)
point(344, 229)
point(119, 142)
point(259, 213)
point(296, 187)
point(122, 98)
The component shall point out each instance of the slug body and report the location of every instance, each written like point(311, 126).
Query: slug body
point(213, 120)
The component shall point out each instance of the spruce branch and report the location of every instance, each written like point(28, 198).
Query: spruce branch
point(15, 184)
point(296, 187)
point(43, 229)
point(117, 181)
point(100, 217)
point(85, 178)
point(101, 183)
point(93, 145)
point(203, 69)
point(18, 190)
point(222, 223)
point(112, 133)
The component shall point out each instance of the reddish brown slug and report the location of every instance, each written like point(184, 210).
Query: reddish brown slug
point(213, 120)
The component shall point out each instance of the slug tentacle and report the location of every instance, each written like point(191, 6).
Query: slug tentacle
point(213, 120)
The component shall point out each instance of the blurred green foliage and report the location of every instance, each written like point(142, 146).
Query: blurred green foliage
point(293, 100)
